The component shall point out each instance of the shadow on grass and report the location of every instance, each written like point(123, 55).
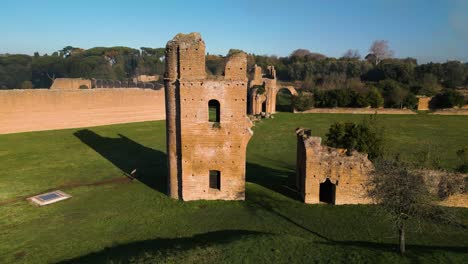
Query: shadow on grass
point(413, 252)
point(162, 246)
point(275, 180)
point(128, 155)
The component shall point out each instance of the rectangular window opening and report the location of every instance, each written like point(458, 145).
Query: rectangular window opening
point(215, 179)
point(214, 111)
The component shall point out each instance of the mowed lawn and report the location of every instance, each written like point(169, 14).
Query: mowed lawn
point(110, 220)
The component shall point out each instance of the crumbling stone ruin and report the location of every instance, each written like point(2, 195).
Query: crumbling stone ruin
point(70, 83)
point(329, 175)
point(263, 91)
point(207, 127)
point(423, 103)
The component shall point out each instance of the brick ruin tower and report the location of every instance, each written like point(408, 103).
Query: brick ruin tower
point(207, 128)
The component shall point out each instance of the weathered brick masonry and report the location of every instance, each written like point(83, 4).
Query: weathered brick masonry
point(206, 158)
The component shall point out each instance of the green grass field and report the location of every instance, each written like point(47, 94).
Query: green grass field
point(119, 221)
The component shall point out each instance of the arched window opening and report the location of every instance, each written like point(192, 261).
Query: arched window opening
point(214, 114)
point(215, 179)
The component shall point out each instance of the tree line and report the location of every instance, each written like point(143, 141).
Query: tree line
point(349, 81)
point(114, 63)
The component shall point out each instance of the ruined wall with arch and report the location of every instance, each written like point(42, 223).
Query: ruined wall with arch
point(263, 91)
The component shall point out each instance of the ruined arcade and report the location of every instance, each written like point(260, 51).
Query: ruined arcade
point(207, 126)
point(263, 91)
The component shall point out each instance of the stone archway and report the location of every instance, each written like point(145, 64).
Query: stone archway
point(274, 100)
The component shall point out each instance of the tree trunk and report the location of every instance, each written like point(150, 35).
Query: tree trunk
point(401, 232)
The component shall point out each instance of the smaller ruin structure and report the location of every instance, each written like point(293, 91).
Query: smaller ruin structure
point(70, 84)
point(423, 103)
point(263, 91)
point(329, 175)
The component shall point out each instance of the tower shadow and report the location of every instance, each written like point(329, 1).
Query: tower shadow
point(127, 155)
point(276, 180)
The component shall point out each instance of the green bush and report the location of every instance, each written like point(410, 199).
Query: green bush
point(26, 85)
point(303, 101)
point(374, 97)
point(84, 86)
point(448, 99)
point(411, 102)
point(463, 157)
point(366, 137)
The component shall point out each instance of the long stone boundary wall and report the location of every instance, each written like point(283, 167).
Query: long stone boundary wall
point(343, 110)
point(44, 109)
point(385, 111)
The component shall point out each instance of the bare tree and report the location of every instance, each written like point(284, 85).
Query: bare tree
point(380, 50)
point(352, 54)
point(402, 193)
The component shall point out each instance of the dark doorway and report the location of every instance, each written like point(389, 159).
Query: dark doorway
point(284, 101)
point(264, 107)
point(327, 192)
point(215, 179)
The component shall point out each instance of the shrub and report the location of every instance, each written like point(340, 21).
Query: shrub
point(448, 99)
point(463, 157)
point(410, 102)
point(361, 100)
point(83, 86)
point(303, 101)
point(374, 98)
point(366, 137)
point(26, 85)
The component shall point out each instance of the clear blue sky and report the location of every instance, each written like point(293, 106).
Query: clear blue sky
point(425, 29)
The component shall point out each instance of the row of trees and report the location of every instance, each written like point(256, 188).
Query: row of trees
point(115, 63)
point(377, 80)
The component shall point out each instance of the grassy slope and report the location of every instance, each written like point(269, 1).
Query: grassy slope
point(125, 220)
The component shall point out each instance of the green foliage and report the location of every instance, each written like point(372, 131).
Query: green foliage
point(303, 101)
point(215, 65)
point(374, 97)
point(233, 52)
point(402, 193)
point(26, 85)
point(462, 155)
point(164, 230)
point(83, 87)
point(448, 99)
point(366, 137)
point(260, 89)
point(430, 85)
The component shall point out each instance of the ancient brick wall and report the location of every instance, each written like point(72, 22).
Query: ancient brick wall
point(196, 145)
point(70, 83)
point(423, 103)
point(266, 101)
point(317, 163)
point(44, 109)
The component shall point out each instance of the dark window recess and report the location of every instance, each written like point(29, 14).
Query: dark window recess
point(215, 179)
point(214, 111)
